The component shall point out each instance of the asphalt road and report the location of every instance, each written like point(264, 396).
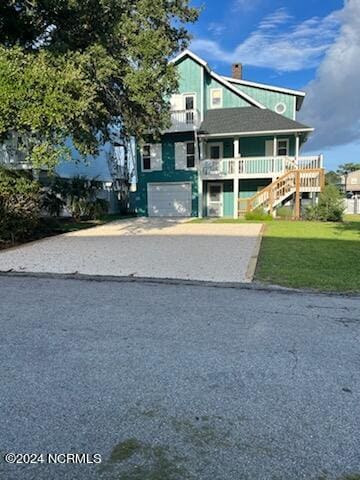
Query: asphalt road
point(173, 382)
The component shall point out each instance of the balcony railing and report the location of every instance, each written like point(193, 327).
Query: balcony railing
point(255, 167)
point(10, 157)
point(184, 120)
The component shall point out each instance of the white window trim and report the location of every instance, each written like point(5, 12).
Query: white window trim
point(287, 147)
point(283, 104)
point(216, 144)
point(220, 184)
point(186, 155)
point(145, 170)
point(189, 94)
point(211, 97)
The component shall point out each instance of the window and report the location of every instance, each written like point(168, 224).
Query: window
point(280, 108)
point(189, 108)
point(215, 151)
point(216, 98)
point(189, 102)
point(146, 157)
point(190, 155)
point(283, 148)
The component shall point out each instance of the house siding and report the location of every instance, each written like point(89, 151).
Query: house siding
point(270, 99)
point(191, 79)
point(230, 99)
point(168, 174)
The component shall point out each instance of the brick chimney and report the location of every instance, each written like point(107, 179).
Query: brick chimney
point(237, 71)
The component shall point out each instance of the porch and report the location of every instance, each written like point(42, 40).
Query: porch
point(234, 197)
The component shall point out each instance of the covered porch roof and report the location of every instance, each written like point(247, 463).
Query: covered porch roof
point(248, 121)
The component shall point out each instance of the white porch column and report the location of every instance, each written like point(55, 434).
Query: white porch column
point(200, 181)
point(200, 195)
point(297, 147)
point(236, 147)
point(275, 147)
point(236, 178)
point(236, 196)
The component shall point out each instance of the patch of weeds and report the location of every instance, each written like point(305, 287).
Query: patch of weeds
point(352, 476)
point(124, 450)
point(160, 466)
point(151, 462)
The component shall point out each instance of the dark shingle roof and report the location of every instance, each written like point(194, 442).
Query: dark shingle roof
point(246, 119)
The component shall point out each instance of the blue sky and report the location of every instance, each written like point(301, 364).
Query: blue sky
point(313, 45)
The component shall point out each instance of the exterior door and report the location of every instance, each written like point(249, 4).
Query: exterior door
point(215, 200)
point(189, 109)
point(215, 151)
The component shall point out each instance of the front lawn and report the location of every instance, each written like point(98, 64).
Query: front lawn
point(322, 256)
point(316, 255)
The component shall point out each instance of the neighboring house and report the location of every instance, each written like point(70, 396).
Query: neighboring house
point(233, 145)
point(353, 182)
point(113, 167)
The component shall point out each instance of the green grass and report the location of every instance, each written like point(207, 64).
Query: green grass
point(316, 255)
point(321, 256)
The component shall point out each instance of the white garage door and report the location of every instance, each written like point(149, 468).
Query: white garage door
point(169, 199)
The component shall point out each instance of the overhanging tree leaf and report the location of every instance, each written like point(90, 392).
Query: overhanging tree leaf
point(74, 67)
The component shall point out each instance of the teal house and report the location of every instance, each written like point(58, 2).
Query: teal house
point(233, 146)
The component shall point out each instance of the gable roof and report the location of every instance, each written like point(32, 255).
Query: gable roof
point(264, 86)
point(218, 78)
point(249, 121)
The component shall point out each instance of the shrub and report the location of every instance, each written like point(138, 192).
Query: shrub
point(285, 212)
point(330, 207)
point(19, 205)
point(52, 203)
point(99, 208)
point(258, 214)
point(79, 196)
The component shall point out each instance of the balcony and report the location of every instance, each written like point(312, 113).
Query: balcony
point(13, 158)
point(255, 167)
point(184, 120)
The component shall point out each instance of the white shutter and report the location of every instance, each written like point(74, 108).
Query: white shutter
point(269, 148)
point(156, 156)
point(180, 156)
point(176, 102)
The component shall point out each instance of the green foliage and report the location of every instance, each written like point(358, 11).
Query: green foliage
point(99, 208)
point(258, 214)
point(330, 207)
point(332, 178)
point(79, 195)
point(347, 168)
point(19, 205)
point(72, 68)
point(285, 212)
point(52, 203)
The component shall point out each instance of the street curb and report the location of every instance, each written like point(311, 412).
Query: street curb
point(250, 272)
point(173, 281)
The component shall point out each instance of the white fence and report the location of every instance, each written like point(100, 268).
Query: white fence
point(352, 205)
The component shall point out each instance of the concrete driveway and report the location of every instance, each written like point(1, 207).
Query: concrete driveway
point(144, 247)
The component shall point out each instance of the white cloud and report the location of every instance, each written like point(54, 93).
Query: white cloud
point(216, 28)
point(245, 5)
point(332, 105)
point(278, 43)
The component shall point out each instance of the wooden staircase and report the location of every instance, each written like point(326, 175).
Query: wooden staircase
point(293, 182)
